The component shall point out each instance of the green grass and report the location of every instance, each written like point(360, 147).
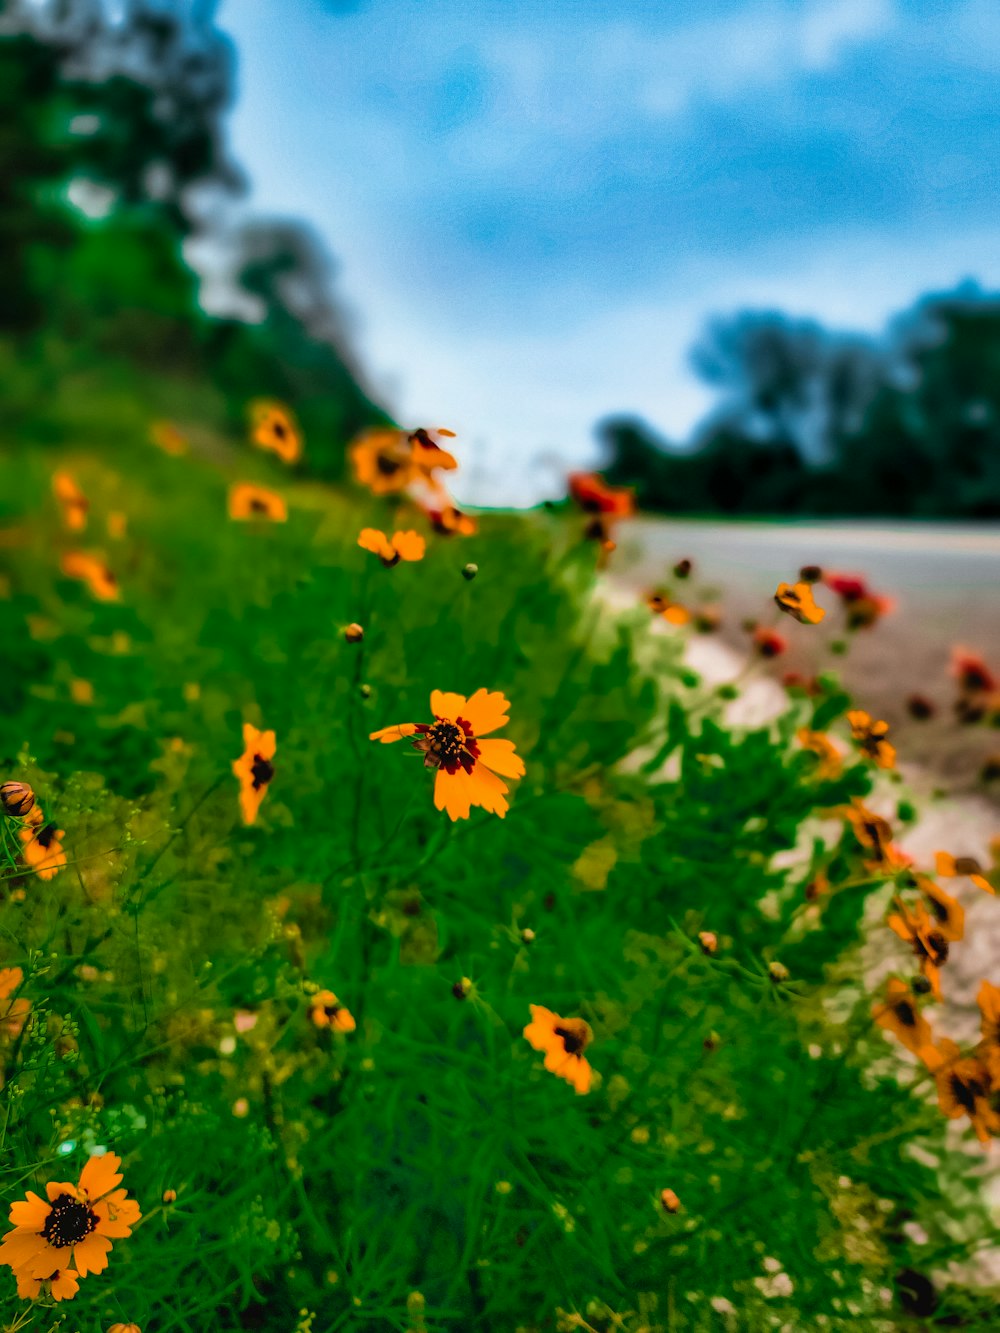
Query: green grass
point(424, 1173)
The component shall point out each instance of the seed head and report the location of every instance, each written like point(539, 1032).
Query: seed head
point(17, 798)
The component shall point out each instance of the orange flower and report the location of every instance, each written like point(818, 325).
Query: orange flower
point(254, 769)
point(326, 1011)
point(166, 436)
point(467, 764)
point(401, 546)
point(451, 522)
point(387, 460)
point(988, 1000)
point(249, 501)
point(92, 570)
point(950, 867)
point(672, 612)
point(965, 1087)
point(947, 912)
point(796, 600)
point(871, 738)
point(124, 1328)
point(900, 1016)
point(273, 427)
point(872, 831)
point(830, 760)
point(925, 938)
point(563, 1040)
point(43, 851)
point(62, 1285)
point(13, 1013)
point(72, 501)
point(75, 1225)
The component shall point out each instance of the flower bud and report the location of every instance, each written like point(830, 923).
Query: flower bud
point(669, 1201)
point(17, 798)
point(469, 571)
point(778, 971)
point(708, 941)
point(354, 633)
point(462, 988)
point(169, 1196)
point(810, 574)
point(682, 569)
point(920, 707)
point(527, 935)
point(365, 691)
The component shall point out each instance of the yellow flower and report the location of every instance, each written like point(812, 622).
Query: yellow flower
point(254, 769)
point(92, 570)
point(796, 600)
point(326, 1011)
point(401, 546)
point(900, 1016)
point(830, 760)
point(563, 1041)
point(71, 500)
point(458, 745)
point(871, 738)
point(247, 501)
point(74, 1225)
point(273, 427)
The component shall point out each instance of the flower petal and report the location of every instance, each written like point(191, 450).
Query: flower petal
point(454, 792)
point(397, 733)
point(30, 1212)
point(489, 791)
point(486, 711)
point(100, 1175)
point(446, 705)
point(500, 757)
point(91, 1255)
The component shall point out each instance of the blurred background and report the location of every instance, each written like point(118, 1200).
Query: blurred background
point(741, 255)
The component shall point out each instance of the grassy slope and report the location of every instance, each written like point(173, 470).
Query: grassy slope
point(428, 1152)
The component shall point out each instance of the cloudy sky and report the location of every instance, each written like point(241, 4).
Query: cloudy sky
point(535, 204)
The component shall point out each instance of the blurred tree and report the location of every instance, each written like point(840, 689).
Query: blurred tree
point(814, 422)
point(112, 160)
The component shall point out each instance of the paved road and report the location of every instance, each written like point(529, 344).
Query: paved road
point(945, 579)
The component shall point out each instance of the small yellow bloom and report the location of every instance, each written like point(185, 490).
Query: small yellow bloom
point(401, 546)
point(796, 600)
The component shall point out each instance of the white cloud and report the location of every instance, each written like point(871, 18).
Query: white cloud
point(569, 80)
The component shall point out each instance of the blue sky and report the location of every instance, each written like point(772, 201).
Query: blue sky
point(535, 205)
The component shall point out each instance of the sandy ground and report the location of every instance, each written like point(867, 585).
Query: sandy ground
point(947, 586)
point(945, 582)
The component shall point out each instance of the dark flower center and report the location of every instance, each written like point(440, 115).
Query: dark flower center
point(387, 466)
point(331, 1010)
point(965, 1091)
point(258, 506)
point(262, 770)
point(934, 947)
point(450, 745)
point(46, 835)
point(279, 430)
point(572, 1041)
point(68, 1222)
point(905, 1013)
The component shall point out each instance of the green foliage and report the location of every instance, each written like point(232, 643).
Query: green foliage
point(428, 1152)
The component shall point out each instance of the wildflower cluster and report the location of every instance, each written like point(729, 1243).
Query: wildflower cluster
point(374, 1032)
